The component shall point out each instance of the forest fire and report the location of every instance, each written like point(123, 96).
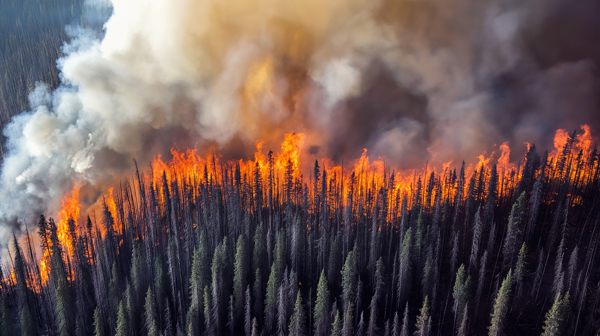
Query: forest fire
point(177, 202)
point(326, 168)
point(280, 173)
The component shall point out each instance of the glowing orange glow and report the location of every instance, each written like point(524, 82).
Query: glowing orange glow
point(69, 211)
point(112, 207)
point(275, 178)
point(45, 266)
point(560, 140)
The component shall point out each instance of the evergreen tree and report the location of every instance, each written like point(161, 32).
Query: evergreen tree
point(404, 267)
point(349, 275)
point(463, 329)
point(514, 227)
point(254, 327)
point(336, 326)
point(520, 270)
point(375, 298)
point(423, 320)
point(556, 315)
point(63, 311)
point(347, 329)
point(28, 327)
point(150, 311)
point(404, 331)
point(240, 275)
point(98, 324)
point(361, 326)
point(275, 278)
point(501, 306)
point(321, 321)
point(122, 321)
point(477, 232)
point(297, 327)
point(396, 325)
point(247, 313)
point(461, 292)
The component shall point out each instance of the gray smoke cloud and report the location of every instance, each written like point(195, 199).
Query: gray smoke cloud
point(410, 80)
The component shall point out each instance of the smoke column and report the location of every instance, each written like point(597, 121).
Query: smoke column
point(410, 80)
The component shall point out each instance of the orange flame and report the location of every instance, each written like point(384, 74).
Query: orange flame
point(69, 211)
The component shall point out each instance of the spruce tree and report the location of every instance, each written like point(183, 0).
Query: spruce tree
point(28, 327)
point(512, 232)
point(556, 315)
point(501, 306)
point(404, 331)
point(404, 266)
point(297, 327)
point(463, 329)
point(378, 282)
point(423, 319)
point(247, 312)
point(122, 321)
point(240, 275)
point(150, 311)
point(336, 326)
point(98, 323)
point(461, 292)
point(349, 274)
point(321, 321)
point(520, 270)
point(347, 329)
point(275, 278)
point(396, 325)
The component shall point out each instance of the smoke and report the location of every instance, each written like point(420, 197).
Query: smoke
point(411, 80)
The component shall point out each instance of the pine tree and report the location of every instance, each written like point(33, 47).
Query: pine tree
point(481, 278)
point(396, 325)
point(28, 327)
point(404, 331)
point(378, 282)
point(423, 320)
point(254, 327)
point(321, 321)
point(347, 329)
point(297, 327)
point(520, 270)
point(349, 275)
point(556, 315)
point(477, 232)
point(98, 324)
point(122, 321)
point(361, 326)
point(150, 311)
point(240, 275)
point(514, 227)
point(114, 288)
point(463, 329)
point(461, 292)
point(247, 313)
point(336, 326)
point(137, 268)
point(501, 306)
point(63, 311)
point(404, 267)
point(273, 283)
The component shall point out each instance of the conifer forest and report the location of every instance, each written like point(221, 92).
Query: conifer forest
point(299, 168)
point(203, 247)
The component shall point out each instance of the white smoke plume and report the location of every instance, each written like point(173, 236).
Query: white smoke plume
point(403, 78)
